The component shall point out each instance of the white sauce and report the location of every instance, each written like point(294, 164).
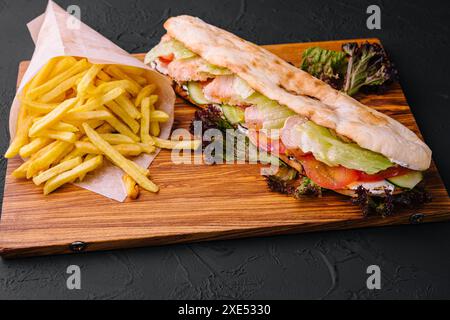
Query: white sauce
point(376, 188)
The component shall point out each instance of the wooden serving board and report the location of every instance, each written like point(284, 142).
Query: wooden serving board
point(196, 202)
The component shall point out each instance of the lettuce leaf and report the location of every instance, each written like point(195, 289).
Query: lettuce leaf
point(369, 67)
point(326, 65)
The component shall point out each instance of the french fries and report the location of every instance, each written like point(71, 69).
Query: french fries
point(52, 118)
point(74, 113)
point(78, 67)
point(123, 115)
point(72, 175)
point(56, 170)
point(119, 160)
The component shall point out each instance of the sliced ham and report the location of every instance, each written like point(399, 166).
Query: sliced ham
point(227, 89)
point(266, 141)
point(290, 138)
point(184, 70)
point(219, 90)
point(253, 118)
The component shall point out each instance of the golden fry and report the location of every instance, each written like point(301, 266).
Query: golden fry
point(52, 118)
point(88, 78)
point(78, 67)
point(44, 161)
point(69, 137)
point(21, 172)
point(130, 150)
point(148, 147)
point(43, 74)
point(119, 74)
point(159, 116)
point(56, 93)
point(63, 126)
point(142, 81)
point(93, 87)
point(73, 154)
point(35, 145)
point(146, 92)
point(126, 85)
point(145, 122)
point(131, 187)
point(123, 129)
point(155, 128)
point(88, 115)
point(128, 106)
point(115, 138)
point(24, 122)
point(143, 171)
point(87, 158)
point(119, 160)
point(102, 75)
point(104, 128)
point(92, 123)
point(70, 176)
point(62, 65)
point(177, 145)
point(39, 107)
point(53, 172)
point(123, 115)
point(132, 70)
point(95, 103)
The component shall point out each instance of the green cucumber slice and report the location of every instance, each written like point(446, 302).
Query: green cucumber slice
point(408, 181)
point(195, 91)
point(233, 114)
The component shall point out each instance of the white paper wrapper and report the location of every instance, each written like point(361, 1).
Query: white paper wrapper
point(56, 34)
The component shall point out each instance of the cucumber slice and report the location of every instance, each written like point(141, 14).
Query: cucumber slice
point(408, 181)
point(195, 91)
point(233, 114)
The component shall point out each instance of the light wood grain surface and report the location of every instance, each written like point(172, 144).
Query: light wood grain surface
point(196, 202)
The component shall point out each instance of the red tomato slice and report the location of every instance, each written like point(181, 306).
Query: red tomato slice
point(168, 58)
point(332, 178)
point(388, 173)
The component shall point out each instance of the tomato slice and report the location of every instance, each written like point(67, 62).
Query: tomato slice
point(168, 58)
point(332, 178)
point(388, 173)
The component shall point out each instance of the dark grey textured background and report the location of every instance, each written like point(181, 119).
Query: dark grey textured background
point(414, 260)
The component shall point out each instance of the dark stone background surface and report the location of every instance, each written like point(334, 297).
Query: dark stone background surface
point(414, 260)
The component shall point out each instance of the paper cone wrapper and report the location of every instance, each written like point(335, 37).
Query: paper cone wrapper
point(57, 33)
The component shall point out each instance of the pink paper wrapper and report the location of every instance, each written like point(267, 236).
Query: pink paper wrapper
point(57, 33)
